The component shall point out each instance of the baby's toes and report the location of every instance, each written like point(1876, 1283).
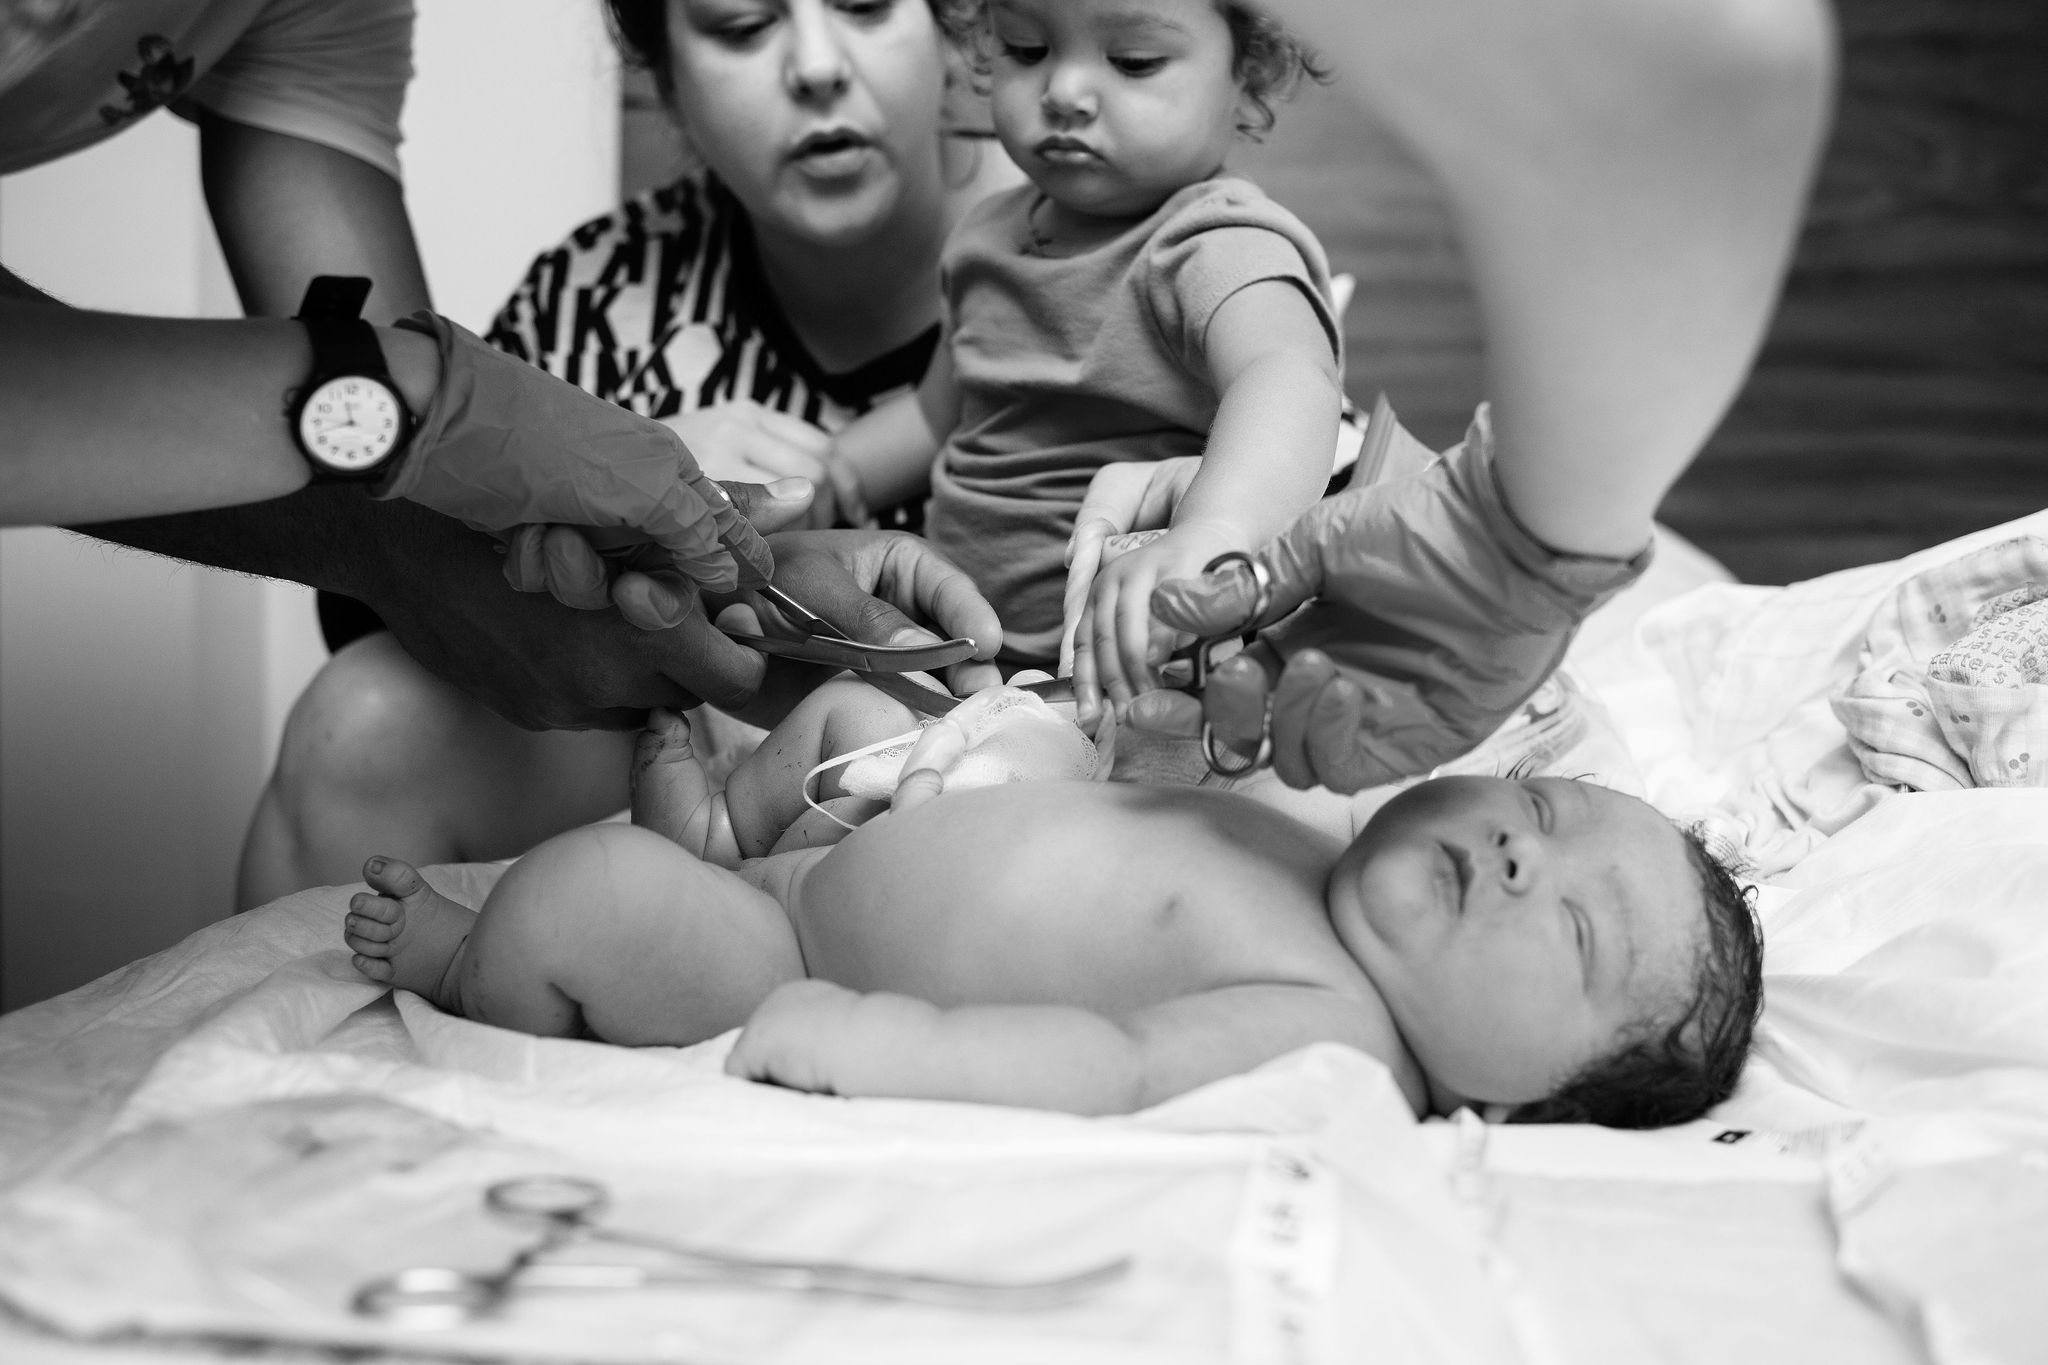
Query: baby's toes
point(393, 877)
point(665, 740)
point(365, 930)
point(376, 968)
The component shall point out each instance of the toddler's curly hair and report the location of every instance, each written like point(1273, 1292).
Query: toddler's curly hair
point(1269, 62)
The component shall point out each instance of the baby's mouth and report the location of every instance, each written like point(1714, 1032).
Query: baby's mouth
point(1066, 151)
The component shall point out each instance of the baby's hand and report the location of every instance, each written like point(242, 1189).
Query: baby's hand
point(789, 1040)
point(1117, 643)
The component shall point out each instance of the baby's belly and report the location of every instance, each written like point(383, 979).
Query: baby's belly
point(1083, 894)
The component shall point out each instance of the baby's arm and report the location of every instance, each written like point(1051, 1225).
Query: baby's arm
point(884, 457)
point(813, 1035)
point(1267, 459)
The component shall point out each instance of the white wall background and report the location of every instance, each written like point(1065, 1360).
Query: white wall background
point(141, 700)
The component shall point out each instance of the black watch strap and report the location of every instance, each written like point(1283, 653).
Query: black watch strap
point(333, 313)
point(344, 344)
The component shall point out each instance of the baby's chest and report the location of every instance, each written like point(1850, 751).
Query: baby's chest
point(1099, 937)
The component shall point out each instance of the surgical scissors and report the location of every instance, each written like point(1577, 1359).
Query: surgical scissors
point(1203, 654)
point(880, 666)
point(568, 1208)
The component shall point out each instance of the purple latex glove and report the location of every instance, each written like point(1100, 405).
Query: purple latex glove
point(1434, 615)
point(503, 444)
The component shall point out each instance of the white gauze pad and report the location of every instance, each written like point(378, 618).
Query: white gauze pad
point(1000, 734)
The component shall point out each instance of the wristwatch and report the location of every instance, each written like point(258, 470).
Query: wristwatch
point(348, 418)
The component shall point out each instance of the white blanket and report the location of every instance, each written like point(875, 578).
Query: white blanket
point(220, 1143)
point(289, 1131)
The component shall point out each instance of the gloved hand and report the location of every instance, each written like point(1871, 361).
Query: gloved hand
point(502, 445)
point(1434, 615)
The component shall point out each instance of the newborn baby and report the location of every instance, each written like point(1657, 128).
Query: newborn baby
point(1546, 945)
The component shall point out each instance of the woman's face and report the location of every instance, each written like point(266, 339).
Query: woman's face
point(821, 116)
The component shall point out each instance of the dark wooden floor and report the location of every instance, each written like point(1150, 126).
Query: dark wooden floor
point(1902, 395)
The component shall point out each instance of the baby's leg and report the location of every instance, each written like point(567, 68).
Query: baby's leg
point(615, 932)
point(766, 792)
point(405, 932)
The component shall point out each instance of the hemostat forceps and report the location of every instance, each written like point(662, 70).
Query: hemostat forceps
point(567, 1210)
point(1202, 653)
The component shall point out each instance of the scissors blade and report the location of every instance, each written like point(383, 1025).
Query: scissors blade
point(926, 701)
point(865, 658)
point(826, 644)
point(693, 1267)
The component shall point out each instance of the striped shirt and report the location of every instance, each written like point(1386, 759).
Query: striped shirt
point(660, 306)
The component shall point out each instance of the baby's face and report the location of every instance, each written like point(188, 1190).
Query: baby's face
point(1516, 928)
point(1112, 105)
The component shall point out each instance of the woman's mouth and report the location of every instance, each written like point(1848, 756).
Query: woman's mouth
point(831, 152)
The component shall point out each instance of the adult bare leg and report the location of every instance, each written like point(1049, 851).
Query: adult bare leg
point(379, 756)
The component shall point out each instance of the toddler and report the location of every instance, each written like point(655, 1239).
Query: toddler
point(1546, 945)
point(1130, 303)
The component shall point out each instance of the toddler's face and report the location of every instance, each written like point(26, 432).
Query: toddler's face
point(1517, 928)
point(1112, 105)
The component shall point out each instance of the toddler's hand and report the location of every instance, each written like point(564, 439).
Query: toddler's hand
point(1117, 642)
point(789, 1040)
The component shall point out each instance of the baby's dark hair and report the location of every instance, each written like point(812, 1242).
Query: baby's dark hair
point(1269, 62)
point(1672, 1070)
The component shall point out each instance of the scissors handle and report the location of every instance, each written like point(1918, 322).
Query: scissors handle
point(430, 1298)
point(1203, 654)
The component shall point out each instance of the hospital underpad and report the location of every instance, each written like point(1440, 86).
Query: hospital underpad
point(174, 1137)
point(307, 1131)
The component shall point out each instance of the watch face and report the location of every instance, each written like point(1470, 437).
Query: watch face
point(350, 423)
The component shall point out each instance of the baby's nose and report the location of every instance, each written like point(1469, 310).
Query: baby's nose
point(1518, 860)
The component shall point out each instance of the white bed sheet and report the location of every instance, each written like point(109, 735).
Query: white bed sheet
point(203, 1152)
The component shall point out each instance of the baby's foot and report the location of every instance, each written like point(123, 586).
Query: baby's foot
point(672, 793)
point(407, 933)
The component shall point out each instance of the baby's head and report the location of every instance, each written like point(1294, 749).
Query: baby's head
point(1555, 947)
point(1111, 106)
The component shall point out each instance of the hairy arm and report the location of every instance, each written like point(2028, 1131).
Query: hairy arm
point(812, 1035)
point(113, 416)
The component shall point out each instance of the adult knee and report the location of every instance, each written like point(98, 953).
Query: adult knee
point(371, 727)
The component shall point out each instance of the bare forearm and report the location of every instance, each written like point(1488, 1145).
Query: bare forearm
point(325, 537)
point(110, 416)
point(890, 452)
point(1627, 181)
point(1268, 455)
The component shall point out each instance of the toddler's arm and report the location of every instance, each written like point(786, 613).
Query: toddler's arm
point(884, 457)
point(813, 1035)
point(1267, 460)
